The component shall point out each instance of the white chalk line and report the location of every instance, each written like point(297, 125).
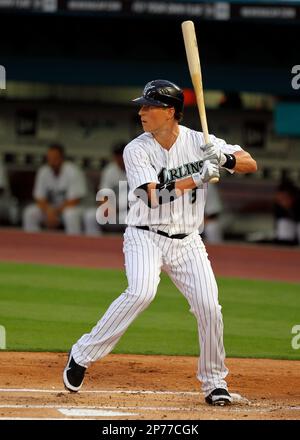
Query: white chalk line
point(83, 412)
point(42, 418)
point(143, 408)
point(152, 408)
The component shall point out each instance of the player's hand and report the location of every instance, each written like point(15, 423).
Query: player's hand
point(52, 219)
point(210, 169)
point(212, 152)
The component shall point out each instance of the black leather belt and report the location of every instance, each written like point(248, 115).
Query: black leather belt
point(178, 236)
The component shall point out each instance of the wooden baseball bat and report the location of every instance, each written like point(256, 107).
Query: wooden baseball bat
point(192, 54)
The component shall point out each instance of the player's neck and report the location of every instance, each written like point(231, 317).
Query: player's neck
point(167, 136)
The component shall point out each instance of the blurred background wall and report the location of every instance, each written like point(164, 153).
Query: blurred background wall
point(72, 68)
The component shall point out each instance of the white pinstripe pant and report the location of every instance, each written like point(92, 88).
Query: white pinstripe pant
point(187, 264)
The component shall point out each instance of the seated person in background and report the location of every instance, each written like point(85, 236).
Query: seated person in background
point(287, 213)
point(59, 190)
point(9, 211)
point(112, 174)
point(213, 230)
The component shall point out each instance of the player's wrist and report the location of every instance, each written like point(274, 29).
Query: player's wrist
point(222, 159)
point(197, 179)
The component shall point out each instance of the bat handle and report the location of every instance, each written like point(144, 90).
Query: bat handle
point(207, 140)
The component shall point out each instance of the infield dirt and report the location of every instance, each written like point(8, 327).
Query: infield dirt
point(149, 387)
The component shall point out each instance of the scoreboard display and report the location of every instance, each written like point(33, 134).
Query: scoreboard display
point(241, 10)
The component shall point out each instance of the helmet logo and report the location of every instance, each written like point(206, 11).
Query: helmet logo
point(148, 88)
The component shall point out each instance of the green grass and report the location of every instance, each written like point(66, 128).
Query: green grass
point(47, 308)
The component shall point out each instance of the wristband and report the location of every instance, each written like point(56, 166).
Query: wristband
point(230, 161)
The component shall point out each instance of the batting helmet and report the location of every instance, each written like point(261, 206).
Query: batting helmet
point(162, 93)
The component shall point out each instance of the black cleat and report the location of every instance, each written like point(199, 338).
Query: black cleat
point(73, 375)
point(219, 397)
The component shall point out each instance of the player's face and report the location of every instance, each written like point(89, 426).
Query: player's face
point(54, 159)
point(155, 118)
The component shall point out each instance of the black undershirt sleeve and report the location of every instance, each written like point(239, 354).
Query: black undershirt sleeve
point(165, 193)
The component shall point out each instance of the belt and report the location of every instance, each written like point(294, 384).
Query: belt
point(178, 236)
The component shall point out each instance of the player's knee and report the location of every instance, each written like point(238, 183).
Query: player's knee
point(90, 216)
point(90, 224)
point(142, 295)
point(213, 312)
point(71, 216)
point(146, 296)
point(31, 217)
point(29, 211)
point(70, 213)
point(72, 220)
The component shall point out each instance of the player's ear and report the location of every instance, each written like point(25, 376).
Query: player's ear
point(171, 112)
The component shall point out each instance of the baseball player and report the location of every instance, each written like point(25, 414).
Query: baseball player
point(9, 209)
point(59, 190)
point(112, 174)
point(168, 167)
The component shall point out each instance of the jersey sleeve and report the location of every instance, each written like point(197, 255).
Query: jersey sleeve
point(138, 168)
point(77, 188)
point(226, 148)
point(40, 184)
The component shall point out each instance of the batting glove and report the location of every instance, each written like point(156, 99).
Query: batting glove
point(210, 169)
point(212, 152)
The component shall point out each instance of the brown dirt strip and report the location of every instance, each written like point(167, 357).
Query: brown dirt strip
point(231, 260)
point(271, 387)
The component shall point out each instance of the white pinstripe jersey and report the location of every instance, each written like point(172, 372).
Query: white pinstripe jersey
point(147, 161)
